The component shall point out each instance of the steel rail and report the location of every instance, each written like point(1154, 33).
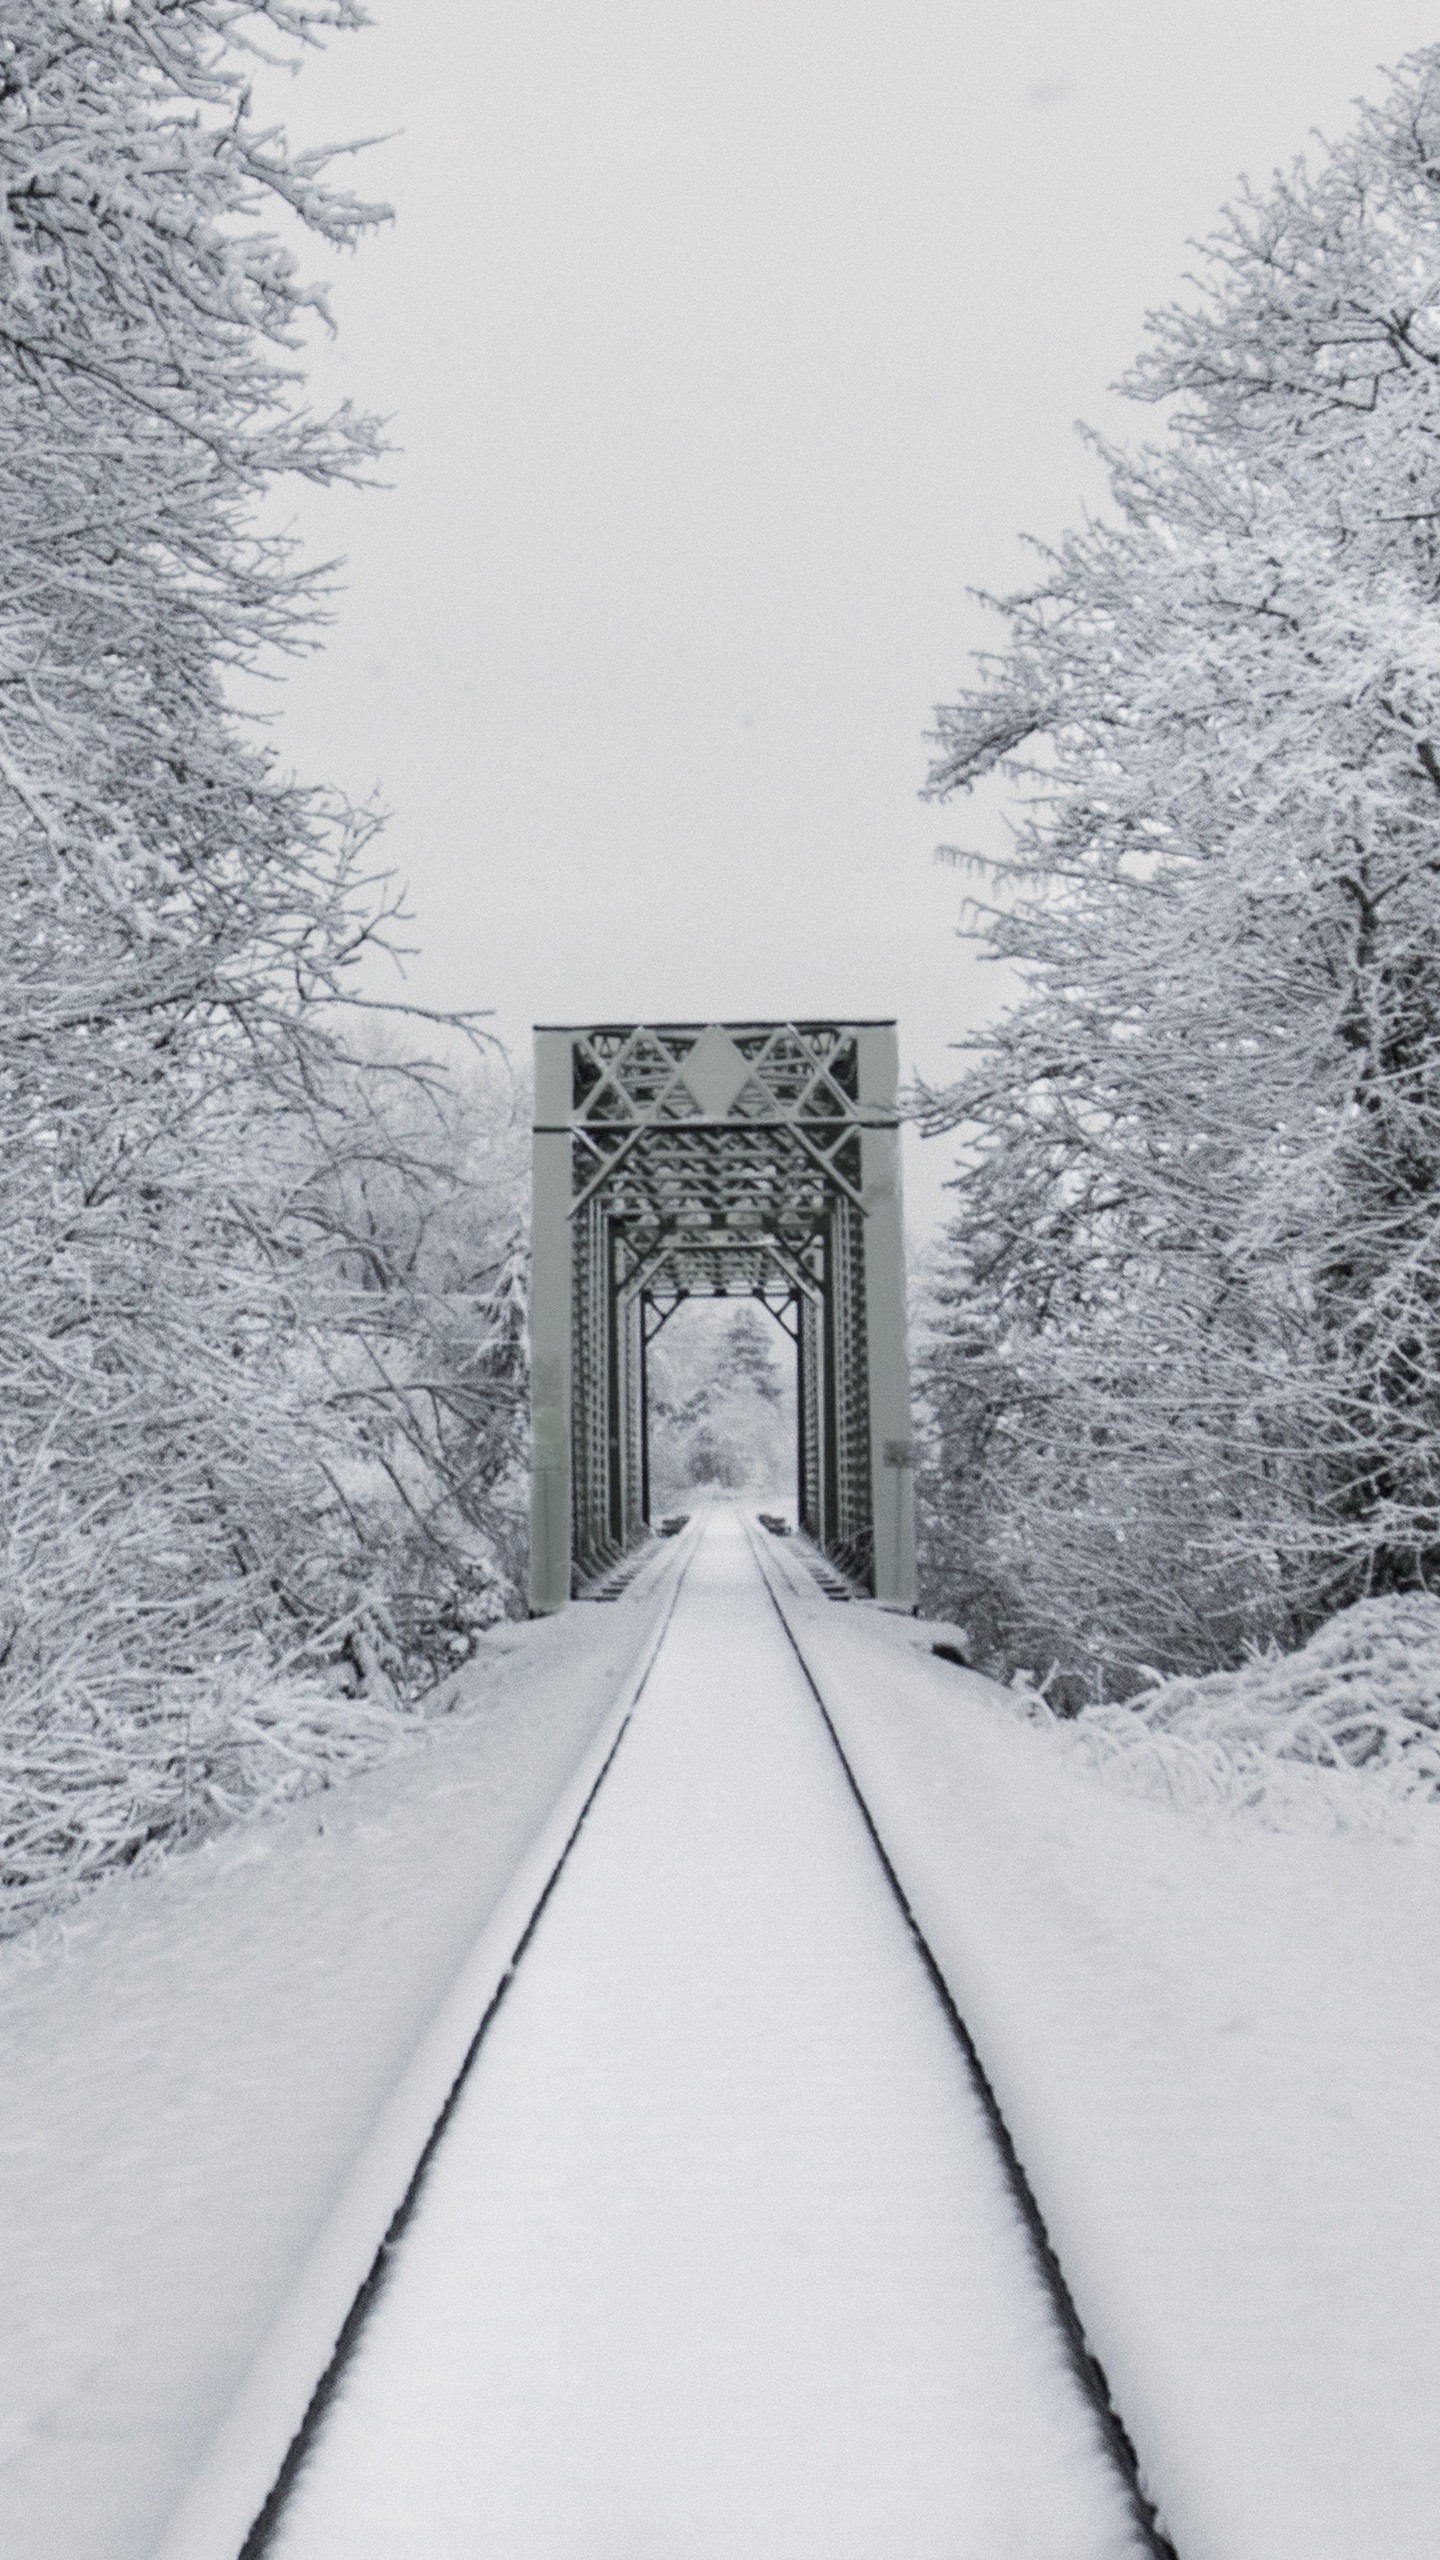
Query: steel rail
point(1085, 2364)
point(261, 2535)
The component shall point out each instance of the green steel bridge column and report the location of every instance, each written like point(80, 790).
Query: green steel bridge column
point(892, 1477)
point(551, 1256)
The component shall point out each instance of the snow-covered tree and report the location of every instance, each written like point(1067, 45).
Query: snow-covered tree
point(1186, 1339)
point(720, 1412)
point(260, 1354)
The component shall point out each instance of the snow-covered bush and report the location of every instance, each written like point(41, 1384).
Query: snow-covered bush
point(1345, 1732)
point(1185, 1343)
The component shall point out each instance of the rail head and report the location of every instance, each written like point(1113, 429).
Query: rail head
point(793, 1604)
point(235, 2501)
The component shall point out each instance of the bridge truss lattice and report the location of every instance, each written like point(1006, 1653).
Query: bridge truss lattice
point(754, 1159)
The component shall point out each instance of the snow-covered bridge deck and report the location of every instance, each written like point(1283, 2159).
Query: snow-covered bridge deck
point(717, 2256)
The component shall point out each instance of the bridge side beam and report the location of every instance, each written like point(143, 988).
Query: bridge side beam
point(891, 1444)
point(551, 1287)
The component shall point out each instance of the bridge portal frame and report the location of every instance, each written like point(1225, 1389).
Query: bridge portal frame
point(755, 1160)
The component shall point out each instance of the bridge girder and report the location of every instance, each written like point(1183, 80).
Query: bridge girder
point(756, 1159)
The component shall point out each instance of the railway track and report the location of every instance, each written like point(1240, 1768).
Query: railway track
point(719, 2243)
point(1089, 2373)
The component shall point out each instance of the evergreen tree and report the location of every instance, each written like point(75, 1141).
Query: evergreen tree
point(718, 1402)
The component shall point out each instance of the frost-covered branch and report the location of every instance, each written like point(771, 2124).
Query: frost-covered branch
point(1185, 1340)
point(261, 1339)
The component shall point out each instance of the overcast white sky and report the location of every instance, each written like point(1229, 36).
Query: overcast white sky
point(729, 345)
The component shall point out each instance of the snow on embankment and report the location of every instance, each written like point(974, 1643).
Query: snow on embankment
point(196, 2060)
point(1217, 2045)
point(1343, 1735)
point(86, 1795)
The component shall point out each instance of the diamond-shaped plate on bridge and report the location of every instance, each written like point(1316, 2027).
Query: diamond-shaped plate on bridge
point(715, 1071)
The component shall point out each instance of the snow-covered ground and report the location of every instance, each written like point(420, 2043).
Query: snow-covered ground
point(1217, 2047)
point(717, 2257)
point(195, 2062)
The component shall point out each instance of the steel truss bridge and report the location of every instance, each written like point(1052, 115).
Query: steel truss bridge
point(748, 1160)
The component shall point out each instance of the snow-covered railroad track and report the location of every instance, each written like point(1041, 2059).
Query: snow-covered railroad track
point(1089, 2372)
point(723, 2250)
